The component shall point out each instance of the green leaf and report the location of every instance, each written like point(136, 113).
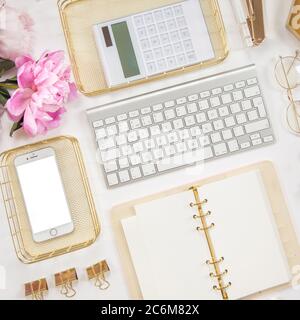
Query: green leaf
point(5, 65)
point(16, 126)
point(4, 92)
point(3, 100)
point(8, 85)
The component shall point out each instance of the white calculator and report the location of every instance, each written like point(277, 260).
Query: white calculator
point(153, 42)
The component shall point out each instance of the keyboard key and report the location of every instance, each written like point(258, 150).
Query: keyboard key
point(170, 114)
point(135, 173)
point(158, 53)
point(166, 127)
point(215, 137)
point(237, 95)
point(256, 142)
point(181, 100)
point(110, 120)
point(122, 117)
point(216, 91)
point(121, 139)
point(146, 110)
point(220, 149)
point(110, 166)
point(123, 163)
point(218, 125)
point(168, 13)
point(135, 123)
point(201, 117)
point(158, 15)
point(215, 101)
point(240, 84)
point(233, 145)
point(100, 133)
point(212, 114)
point(171, 24)
point(229, 121)
point(251, 81)
point(142, 33)
point(148, 55)
point(97, 124)
point(268, 139)
point(139, 20)
point(203, 105)
point(154, 130)
point(171, 62)
point(246, 105)
point(135, 159)
point(158, 117)
point(229, 87)
point(238, 131)
point(207, 128)
point(175, 36)
point(164, 38)
point(181, 111)
point(257, 126)
point(241, 118)
point(189, 121)
point(152, 30)
point(147, 121)
point(148, 18)
point(245, 145)
point(227, 134)
point(192, 107)
point(170, 104)
point(226, 98)
point(124, 176)
point(223, 111)
point(112, 179)
point(148, 169)
point(184, 33)
point(252, 91)
point(133, 114)
point(235, 108)
point(252, 115)
point(178, 124)
point(204, 94)
point(193, 97)
point(111, 130)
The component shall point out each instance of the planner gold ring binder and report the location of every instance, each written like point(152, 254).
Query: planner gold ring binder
point(97, 272)
point(218, 274)
point(65, 280)
point(36, 289)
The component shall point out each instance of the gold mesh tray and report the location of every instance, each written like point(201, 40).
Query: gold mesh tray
point(86, 226)
point(78, 17)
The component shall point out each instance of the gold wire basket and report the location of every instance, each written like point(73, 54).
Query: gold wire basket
point(78, 193)
point(78, 17)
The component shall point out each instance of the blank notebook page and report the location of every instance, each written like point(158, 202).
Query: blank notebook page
point(169, 255)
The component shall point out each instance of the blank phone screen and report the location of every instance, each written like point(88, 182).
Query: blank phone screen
point(44, 195)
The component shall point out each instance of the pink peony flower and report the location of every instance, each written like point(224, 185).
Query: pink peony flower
point(17, 37)
point(44, 89)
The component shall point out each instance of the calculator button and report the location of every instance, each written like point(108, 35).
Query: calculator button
point(168, 13)
point(145, 44)
point(168, 50)
point(181, 60)
point(148, 56)
point(158, 15)
point(158, 53)
point(139, 21)
point(191, 56)
point(155, 41)
point(162, 27)
point(175, 36)
point(152, 30)
point(181, 22)
point(164, 38)
point(171, 24)
point(171, 62)
point(161, 64)
point(148, 17)
point(142, 32)
point(178, 47)
point(185, 33)
point(178, 10)
point(151, 67)
point(188, 45)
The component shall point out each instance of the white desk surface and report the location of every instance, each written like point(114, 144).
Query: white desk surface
point(285, 153)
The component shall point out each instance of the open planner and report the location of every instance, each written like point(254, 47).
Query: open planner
point(216, 241)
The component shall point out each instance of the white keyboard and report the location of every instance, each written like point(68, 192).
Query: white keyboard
point(179, 126)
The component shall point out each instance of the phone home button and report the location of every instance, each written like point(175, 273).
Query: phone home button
point(53, 232)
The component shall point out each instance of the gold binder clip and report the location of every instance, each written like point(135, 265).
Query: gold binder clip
point(36, 289)
point(97, 272)
point(65, 279)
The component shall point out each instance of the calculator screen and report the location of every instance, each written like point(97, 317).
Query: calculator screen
point(125, 49)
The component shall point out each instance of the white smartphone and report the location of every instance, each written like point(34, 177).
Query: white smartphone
point(44, 195)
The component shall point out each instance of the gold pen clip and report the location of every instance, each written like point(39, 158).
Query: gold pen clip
point(36, 289)
point(97, 272)
point(65, 280)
